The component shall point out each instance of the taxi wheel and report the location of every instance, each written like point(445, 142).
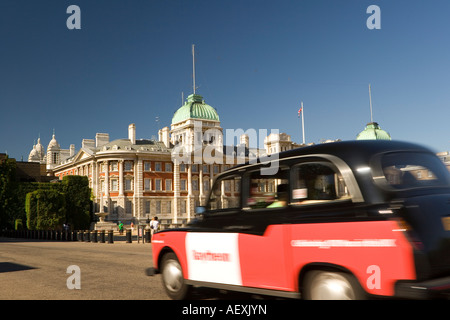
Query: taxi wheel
point(326, 285)
point(172, 277)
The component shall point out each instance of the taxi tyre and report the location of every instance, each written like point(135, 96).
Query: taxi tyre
point(330, 285)
point(173, 279)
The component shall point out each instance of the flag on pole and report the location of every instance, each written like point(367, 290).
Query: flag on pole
point(300, 111)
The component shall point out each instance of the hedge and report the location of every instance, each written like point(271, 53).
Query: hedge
point(46, 209)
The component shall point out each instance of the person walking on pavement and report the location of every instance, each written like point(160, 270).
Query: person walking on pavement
point(154, 225)
point(120, 227)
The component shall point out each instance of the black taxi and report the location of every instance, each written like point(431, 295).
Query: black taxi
point(342, 220)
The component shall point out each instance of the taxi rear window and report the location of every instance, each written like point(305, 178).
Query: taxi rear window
point(406, 170)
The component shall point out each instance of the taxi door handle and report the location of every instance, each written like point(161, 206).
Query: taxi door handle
point(240, 228)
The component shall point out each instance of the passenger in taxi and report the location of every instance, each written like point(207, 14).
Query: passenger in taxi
point(282, 197)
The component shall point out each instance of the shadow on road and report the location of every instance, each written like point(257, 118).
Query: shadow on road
point(11, 267)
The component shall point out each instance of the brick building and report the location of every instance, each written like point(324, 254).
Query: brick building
point(136, 179)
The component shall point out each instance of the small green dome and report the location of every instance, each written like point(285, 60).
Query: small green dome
point(195, 108)
point(373, 132)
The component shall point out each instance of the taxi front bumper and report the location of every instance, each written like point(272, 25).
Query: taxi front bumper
point(430, 289)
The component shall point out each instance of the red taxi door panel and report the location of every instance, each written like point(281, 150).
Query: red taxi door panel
point(239, 259)
point(263, 259)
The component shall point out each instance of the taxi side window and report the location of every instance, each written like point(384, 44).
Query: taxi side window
point(317, 182)
point(226, 194)
point(268, 191)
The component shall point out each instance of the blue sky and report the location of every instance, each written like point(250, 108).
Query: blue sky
point(256, 60)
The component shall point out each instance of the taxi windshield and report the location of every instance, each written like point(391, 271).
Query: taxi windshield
point(406, 170)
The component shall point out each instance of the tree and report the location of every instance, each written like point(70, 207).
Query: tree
point(8, 200)
point(78, 201)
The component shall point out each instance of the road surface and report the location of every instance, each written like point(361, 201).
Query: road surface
point(31, 269)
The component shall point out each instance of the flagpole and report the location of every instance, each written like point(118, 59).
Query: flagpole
point(303, 124)
point(193, 67)
point(370, 101)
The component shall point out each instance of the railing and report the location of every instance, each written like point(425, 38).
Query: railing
point(101, 236)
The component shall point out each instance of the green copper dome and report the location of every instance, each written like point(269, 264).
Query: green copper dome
point(195, 108)
point(373, 132)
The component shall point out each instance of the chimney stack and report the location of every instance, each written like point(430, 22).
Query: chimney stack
point(101, 139)
point(132, 133)
point(164, 136)
point(244, 140)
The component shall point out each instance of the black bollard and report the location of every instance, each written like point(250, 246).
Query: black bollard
point(102, 236)
point(74, 235)
point(87, 236)
point(147, 236)
point(81, 235)
point(128, 235)
point(110, 236)
point(94, 236)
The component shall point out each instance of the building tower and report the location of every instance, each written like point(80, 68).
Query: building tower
point(195, 125)
point(37, 154)
point(53, 153)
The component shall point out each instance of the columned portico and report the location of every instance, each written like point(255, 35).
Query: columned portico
point(176, 191)
point(105, 189)
point(121, 178)
point(190, 199)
